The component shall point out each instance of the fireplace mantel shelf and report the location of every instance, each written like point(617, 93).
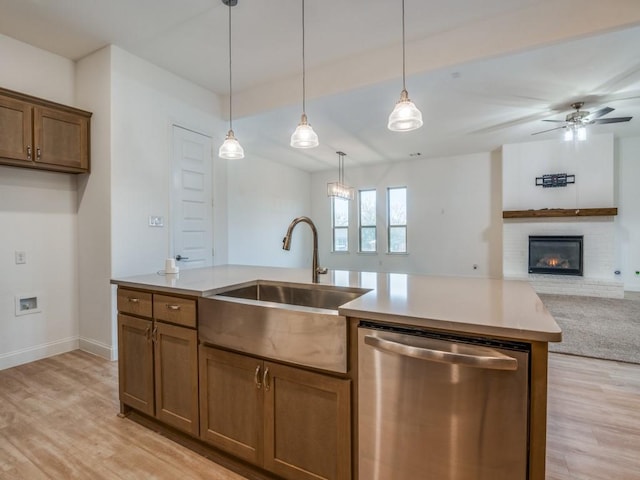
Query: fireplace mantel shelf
point(561, 212)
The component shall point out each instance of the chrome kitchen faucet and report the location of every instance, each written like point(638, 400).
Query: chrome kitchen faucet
point(286, 245)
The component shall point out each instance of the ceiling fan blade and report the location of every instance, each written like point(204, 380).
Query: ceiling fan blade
point(601, 113)
point(550, 130)
point(512, 123)
point(612, 120)
point(556, 121)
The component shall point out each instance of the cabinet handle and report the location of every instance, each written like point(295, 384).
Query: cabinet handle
point(28, 152)
point(265, 379)
point(38, 153)
point(154, 335)
point(147, 333)
point(256, 378)
point(133, 300)
point(173, 307)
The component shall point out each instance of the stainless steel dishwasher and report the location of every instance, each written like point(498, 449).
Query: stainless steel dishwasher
point(441, 407)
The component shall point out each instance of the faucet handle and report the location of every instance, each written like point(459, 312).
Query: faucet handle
point(322, 270)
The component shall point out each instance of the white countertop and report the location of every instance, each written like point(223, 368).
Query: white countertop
point(502, 308)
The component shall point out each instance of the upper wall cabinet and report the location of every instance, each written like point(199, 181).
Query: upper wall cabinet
point(36, 133)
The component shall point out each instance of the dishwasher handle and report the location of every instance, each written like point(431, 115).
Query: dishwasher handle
point(480, 357)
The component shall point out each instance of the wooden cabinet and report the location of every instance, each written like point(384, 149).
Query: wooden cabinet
point(158, 361)
point(35, 133)
point(292, 422)
point(176, 376)
point(135, 363)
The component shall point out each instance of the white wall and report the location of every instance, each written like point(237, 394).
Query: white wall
point(627, 162)
point(263, 198)
point(38, 216)
point(80, 231)
point(454, 216)
point(592, 163)
point(36, 72)
point(93, 93)
point(146, 101)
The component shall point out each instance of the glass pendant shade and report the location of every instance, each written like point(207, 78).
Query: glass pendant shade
point(405, 115)
point(231, 148)
point(304, 136)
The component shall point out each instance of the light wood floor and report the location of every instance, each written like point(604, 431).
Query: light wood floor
point(58, 421)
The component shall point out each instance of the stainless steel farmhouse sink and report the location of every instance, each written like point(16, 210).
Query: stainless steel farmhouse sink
point(297, 323)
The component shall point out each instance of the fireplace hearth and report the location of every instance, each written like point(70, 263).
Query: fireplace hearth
point(555, 255)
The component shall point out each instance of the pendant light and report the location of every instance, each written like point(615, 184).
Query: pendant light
point(405, 116)
point(339, 189)
point(231, 148)
point(303, 136)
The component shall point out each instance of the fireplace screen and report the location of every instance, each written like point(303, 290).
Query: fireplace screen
point(555, 255)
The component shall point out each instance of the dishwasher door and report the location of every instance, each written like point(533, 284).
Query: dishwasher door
point(442, 408)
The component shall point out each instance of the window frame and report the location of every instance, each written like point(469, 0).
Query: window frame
point(361, 226)
point(391, 226)
point(334, 228)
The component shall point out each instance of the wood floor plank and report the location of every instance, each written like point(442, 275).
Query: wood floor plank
point(593, 419)
point(58, 419)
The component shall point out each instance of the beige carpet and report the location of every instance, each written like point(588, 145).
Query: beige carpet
point(605, 328)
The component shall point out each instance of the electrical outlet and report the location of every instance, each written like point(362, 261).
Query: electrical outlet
point(21, 257)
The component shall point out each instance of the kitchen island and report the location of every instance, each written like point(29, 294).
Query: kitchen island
point(161, 352)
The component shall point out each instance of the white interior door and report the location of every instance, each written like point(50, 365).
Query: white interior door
point(191, 199)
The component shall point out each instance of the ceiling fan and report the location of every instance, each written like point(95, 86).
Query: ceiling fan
point(576, 122)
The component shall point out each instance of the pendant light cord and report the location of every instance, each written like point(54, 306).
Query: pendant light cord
point(404, 87)
point(230, 83)
point(303, 64)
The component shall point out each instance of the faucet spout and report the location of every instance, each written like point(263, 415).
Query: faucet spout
point(286, 244)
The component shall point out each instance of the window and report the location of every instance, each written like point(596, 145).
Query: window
point(367, 220)
point(340, 221)
point(397, 218)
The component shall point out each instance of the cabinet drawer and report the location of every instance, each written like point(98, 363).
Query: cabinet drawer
point(181, 311)
point(134, 302)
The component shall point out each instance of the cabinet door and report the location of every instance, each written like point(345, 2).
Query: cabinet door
point(231, 403)
point(307, 424)
point(61, 140)
point(15, 130)
point(135, 363)
point(176, 376)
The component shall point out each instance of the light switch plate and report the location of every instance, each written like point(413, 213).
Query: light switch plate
point(21, 257)
point(156, 221)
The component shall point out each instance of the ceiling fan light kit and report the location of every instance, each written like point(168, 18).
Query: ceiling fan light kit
point(575, 123)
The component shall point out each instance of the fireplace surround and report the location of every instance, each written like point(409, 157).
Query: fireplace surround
point(556, 254)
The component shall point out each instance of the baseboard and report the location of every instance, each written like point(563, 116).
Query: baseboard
point(98, 348)
point(38, 352)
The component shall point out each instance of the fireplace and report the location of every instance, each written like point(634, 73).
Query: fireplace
point(556, 255)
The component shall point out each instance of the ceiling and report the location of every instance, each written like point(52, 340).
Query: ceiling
point(483, 73)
